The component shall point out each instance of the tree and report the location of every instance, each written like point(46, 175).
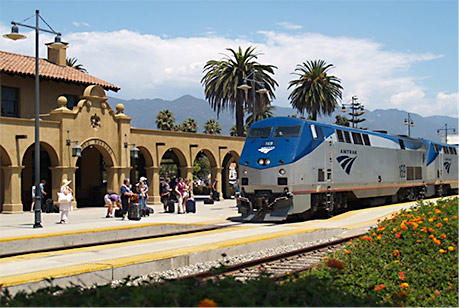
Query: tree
point(342, 120)
point(222, 78)
point(212, 127)
point(315, 91)
point(72, 62)
point(267, 113)
point(233, 131)
point(189, 125)
point(165, 120)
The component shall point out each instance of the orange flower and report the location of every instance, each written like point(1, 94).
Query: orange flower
point(335, 264)
point(401, 275)
point(404, 285)
point(381, 286)
point(403, 227)
point(402, 294)
point(379, 237)
point(398, 234)
point(347, 252)
point(443, 236)
point(207, 303)
point(437, 211)
point(394, 230)
point(442, 251)
point(430, 230)
point(437, 292)
point(396, 252)
point(437, 241)
point(439, 225)
point(396, 261)
point(431, 236)
point(446, 219)
point(450, 248)
point(430, 219)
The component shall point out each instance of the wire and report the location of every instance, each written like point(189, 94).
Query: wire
point(46, 23)
point(27, 18)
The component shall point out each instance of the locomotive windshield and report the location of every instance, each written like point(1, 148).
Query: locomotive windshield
point(260, 132)
point(287, 131)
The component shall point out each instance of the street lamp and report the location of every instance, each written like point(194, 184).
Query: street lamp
point(356, 110)
point(262, 90)
point(409, 122)
point(15, 35)
point(76, 149)
point(446, 129)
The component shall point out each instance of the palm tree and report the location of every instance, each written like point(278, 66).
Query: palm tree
point(165, 120)
point(342, 120)
point(233, 131)
point(314, 91)
point(267, 113)
point(221, 79)
point(72, 62)
point(189, 125)
point(212, 127)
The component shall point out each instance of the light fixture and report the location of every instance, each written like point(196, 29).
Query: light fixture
point(282, 171)
point(134, 151)
point(14, 35)
point(261, 161)
point(262, 90)
point(57, 44)
point(244, 86)
point(343, 109)
point(76, 149)
point(267, 161)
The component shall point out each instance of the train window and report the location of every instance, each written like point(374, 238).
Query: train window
point(287, 131)
point(347, 136)
point(445, 150)
point(313, 131)
point(402, 144)
point(339, 134)
point(417, 173)
point(436, 148)
point(259, 132)
point(320, 175)
point(410, 173)
point(454, 151)
point(366, 139)
point(357, 138)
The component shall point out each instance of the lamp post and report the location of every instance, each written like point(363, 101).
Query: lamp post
point(446, 129)
point(409, 122)
point(244, 86)
point(356, 110)
point(15, 35)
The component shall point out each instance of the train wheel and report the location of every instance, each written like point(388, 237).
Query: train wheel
point(306, 215)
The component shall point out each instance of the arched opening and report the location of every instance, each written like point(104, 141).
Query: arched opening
point(48, 159)
point(202, 172)
point(230, 167)
point(4, 161)
point(91, 176)
point(170, 164)
point(139, 164)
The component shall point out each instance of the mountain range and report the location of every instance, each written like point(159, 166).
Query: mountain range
point(143, 113)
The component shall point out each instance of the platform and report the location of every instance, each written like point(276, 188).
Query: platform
point(100, 264)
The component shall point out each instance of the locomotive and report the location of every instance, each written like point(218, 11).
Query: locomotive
point(296, 167)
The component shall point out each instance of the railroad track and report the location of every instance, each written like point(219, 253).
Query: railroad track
point(278, 265)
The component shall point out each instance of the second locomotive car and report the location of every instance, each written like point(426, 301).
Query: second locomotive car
point(291, 166)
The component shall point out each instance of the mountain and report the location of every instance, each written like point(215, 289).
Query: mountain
point(143, 113)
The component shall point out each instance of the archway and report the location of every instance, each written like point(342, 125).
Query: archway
point(203, 164)
point(230, 167)
point(48, 159)
point(139, 164)
point(170, 165)
point(91, 176)
point(4, 161)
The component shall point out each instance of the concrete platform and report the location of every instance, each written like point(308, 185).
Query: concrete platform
point(101, 264)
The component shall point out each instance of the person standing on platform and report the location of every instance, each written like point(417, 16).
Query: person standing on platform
point(42, 192)
point(179, 190)
point(34, 192)
point(126, 194)
point(166, 193)
point(215, 193)
point(142, 189)
point(65, 201)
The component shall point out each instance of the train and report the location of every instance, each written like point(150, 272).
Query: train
point(292, 167)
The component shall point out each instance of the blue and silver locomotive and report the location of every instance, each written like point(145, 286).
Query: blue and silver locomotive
point(291, 166)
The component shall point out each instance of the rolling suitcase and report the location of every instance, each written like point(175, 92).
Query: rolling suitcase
point(118, 213)
point(190, 206)
point(170, 206)
point(134, 212)
point(208, 201)
point(145, 212)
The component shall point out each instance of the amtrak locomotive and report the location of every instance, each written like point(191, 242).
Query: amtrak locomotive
point(291, 166)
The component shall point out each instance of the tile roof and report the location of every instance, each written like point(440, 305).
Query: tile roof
point(24, 65)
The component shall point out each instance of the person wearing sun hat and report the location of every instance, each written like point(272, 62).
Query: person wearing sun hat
point(65, 201)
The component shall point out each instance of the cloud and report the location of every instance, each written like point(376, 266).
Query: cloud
point(149, 66)
point(288, 26)
point(78, 24)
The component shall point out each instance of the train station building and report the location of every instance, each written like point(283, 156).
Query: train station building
point(74, 112)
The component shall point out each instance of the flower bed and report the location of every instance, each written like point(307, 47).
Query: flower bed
point(407, 260)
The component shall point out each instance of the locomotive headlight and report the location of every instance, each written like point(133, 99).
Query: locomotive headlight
point(245, 172)
point(261, 161)
point(267, 161)
point(282, 171)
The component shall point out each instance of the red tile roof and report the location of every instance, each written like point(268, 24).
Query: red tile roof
point(24, 65)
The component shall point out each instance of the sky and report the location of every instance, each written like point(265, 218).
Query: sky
point(399, 54)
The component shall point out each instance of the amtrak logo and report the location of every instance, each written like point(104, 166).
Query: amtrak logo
point(447, 165)
point(266, 147)
point(346, 162)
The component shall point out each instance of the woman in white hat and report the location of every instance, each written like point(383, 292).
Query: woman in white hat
point(65, 201)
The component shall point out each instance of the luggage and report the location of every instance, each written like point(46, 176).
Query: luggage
point(145, 212)
point(190, 206)
point(150, 210)
point(216, 196)
point(134, 211)
point(170, 206)
point(208, 201)
point(118, 213)
point(50, 207)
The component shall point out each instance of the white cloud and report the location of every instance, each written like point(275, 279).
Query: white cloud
point(149, 66)
point(78, 24)
point(288, 25)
